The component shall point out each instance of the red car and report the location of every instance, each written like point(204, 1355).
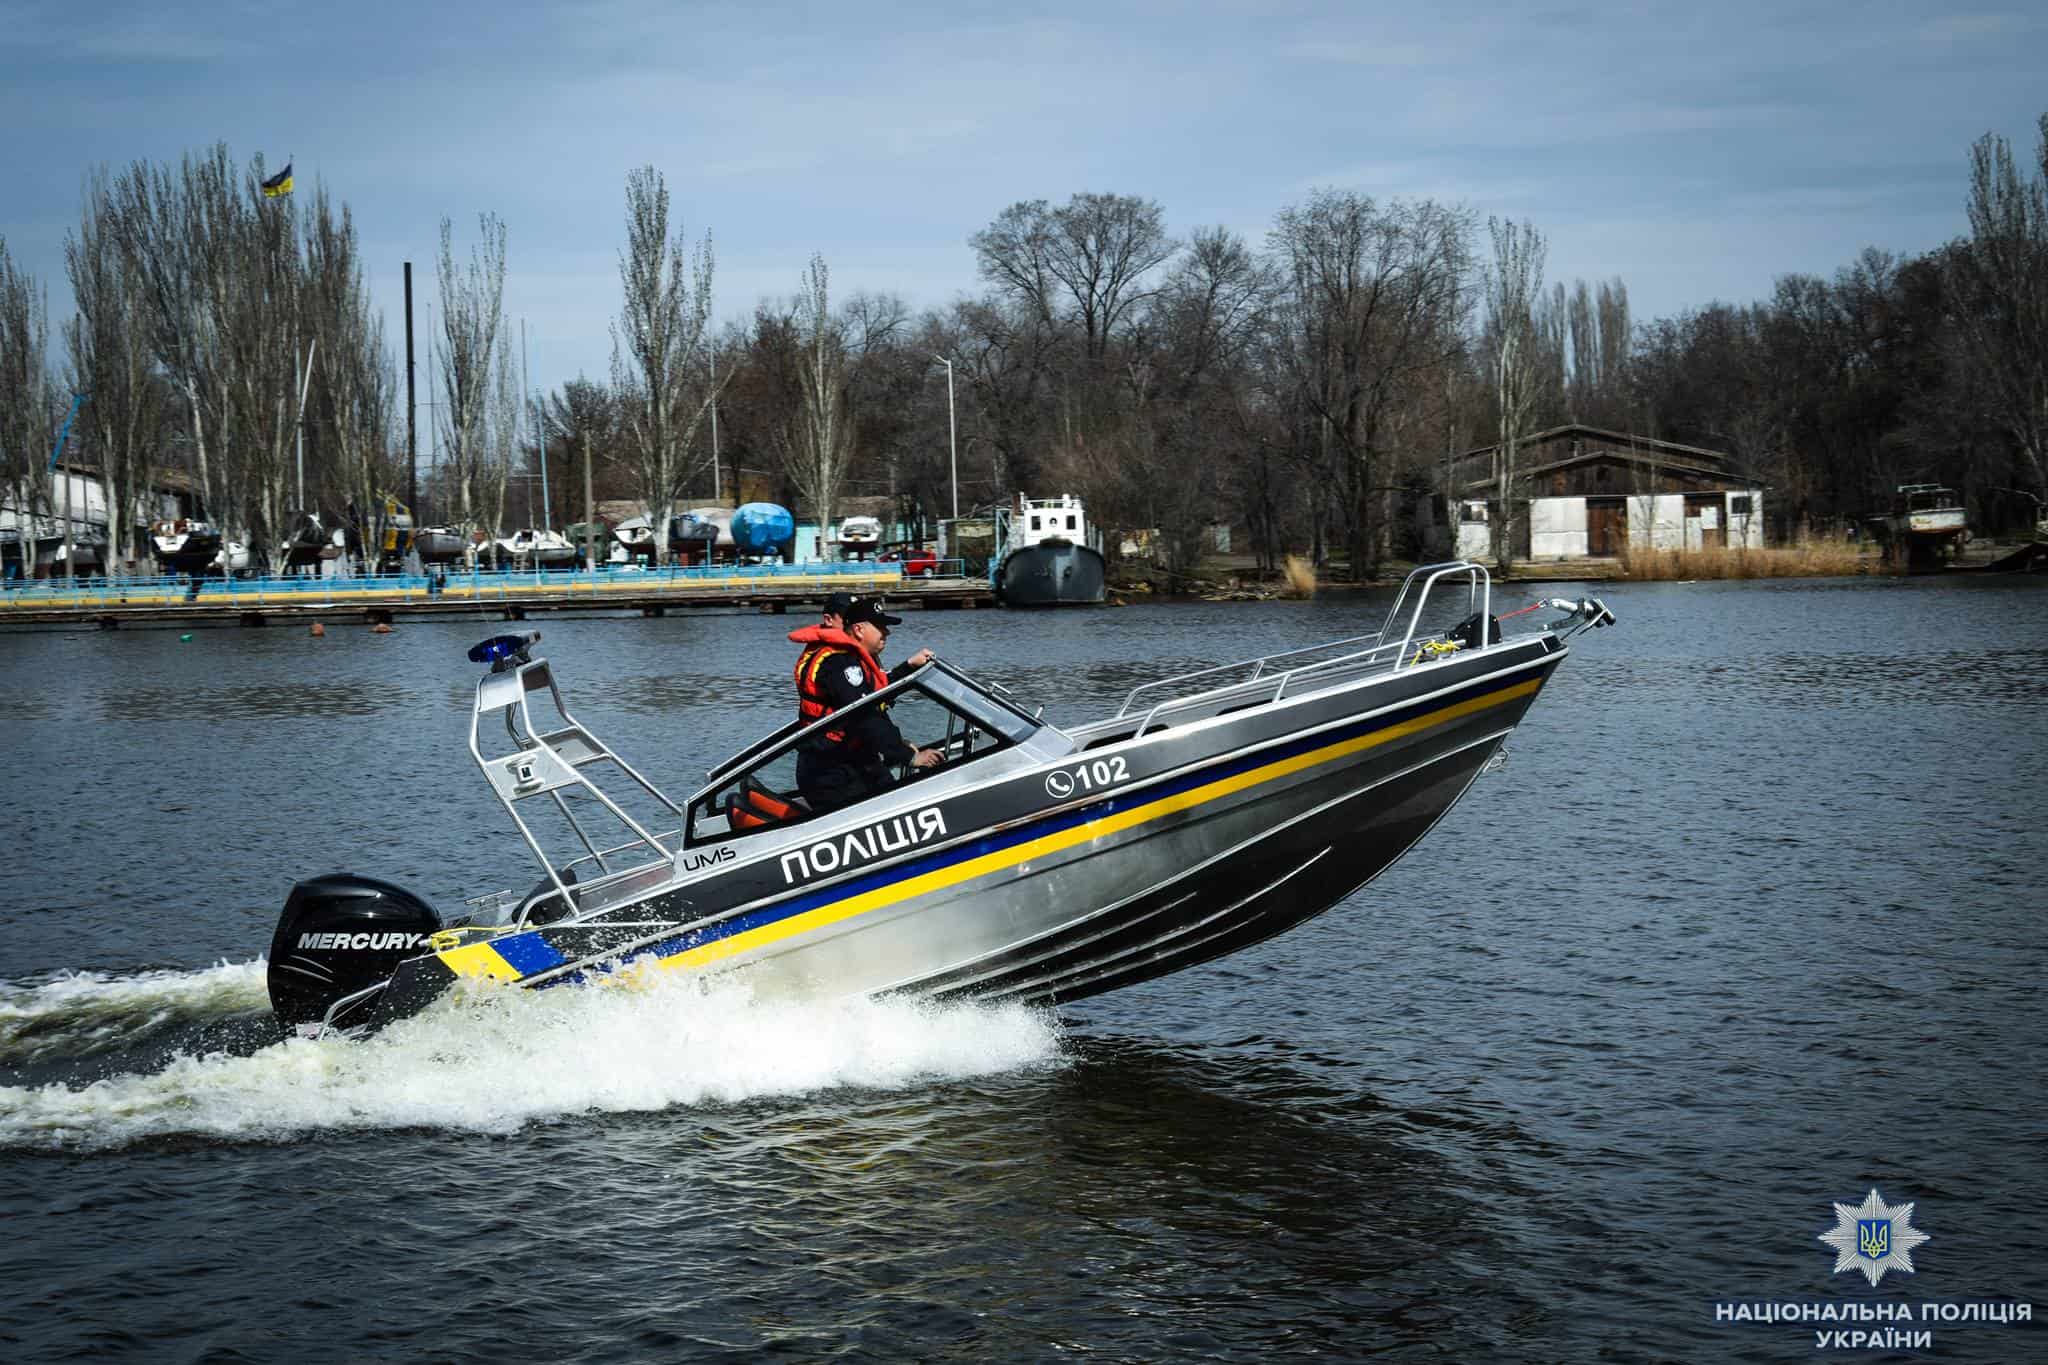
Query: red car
point(916, 563)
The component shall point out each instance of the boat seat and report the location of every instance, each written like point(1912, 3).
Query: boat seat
point(755, 807)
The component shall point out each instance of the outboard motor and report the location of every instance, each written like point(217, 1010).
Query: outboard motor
point(338, 935)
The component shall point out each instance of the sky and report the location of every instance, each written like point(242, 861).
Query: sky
point(1697, 152)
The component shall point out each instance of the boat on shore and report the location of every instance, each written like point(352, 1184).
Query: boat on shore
point(700, 535)
point(1048, 555)
point(186, 545)
point(1037, 863)
point(441, 544)
point(393, 533)
point(763, 530)
point(534, 549)
point(632, 541)
point(305, 543)
point(83, 557)
point(859, 537)
point(1926, 528)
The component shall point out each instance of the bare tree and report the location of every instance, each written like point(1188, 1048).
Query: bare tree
point(1094, 252)
point(2000, 280)
point(1188, 411)
point(1372, 308)
point(111, 361)
point(1583, 343)
point(1553, 356)
point(27, 399)
point(584, 416)
point(1007, 354)
point(472, 312)
point(255, 304)
point(354, 394)
point(1512, 287)
point(817, 439)
point(1616, 344)
point(658, 371)
point(502, 452)
point(166, 224)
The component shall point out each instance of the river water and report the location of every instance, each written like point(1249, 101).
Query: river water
point(1749, 924)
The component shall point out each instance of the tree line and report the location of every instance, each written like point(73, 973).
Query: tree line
point(1308, 387)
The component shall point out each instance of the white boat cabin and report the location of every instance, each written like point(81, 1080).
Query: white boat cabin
point(1037, 520)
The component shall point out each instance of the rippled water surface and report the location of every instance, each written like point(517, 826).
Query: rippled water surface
point(1751, 922)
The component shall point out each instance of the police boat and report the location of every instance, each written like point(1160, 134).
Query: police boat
point(1038, 863)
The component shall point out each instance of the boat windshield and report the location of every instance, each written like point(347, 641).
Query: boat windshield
point(937, 707)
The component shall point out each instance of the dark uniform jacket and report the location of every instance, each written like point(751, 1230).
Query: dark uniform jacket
point(843, 763)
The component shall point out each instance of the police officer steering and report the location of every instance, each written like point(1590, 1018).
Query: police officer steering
point(843, 764)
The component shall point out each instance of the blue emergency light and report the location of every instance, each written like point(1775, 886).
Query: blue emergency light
point(499, 648)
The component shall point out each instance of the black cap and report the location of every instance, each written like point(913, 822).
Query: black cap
point(868, 609)
point(839, 603)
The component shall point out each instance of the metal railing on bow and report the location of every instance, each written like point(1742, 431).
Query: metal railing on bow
point(1272, 676)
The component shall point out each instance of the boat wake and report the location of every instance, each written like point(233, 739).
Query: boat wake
point(107, 1062)
point(79, 1017)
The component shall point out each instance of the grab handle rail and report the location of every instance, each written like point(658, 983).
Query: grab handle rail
point(1479, 586)
point(1420, 582)
point(1256, 665)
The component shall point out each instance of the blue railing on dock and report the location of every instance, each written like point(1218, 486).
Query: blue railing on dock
point(458, 585)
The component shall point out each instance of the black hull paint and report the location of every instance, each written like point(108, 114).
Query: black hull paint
point(1051, 575)
point(196, 555)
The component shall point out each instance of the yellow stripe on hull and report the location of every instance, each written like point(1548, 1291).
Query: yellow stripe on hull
point(479, 962)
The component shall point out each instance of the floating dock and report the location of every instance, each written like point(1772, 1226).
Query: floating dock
point(109, 604)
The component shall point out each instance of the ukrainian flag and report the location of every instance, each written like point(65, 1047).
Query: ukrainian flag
point(279, 184)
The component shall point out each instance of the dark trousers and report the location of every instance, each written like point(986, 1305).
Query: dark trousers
point(828, 779)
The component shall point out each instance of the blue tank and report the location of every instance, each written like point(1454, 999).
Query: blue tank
point(760, 528)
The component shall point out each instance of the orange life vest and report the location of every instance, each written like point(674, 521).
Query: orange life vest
point(820, 644)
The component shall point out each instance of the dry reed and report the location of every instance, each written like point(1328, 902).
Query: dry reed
point(1828, 558)
point(1301, 577)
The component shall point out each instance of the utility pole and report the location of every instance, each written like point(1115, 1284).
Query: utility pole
point(716, 496)
point(952, 435)
point(589, 511)
point(412, 448)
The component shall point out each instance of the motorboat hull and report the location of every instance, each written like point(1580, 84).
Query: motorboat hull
point(1031, 862)
point(537, 550)
point(1199, 842)
point(87, 557)
point(1051, 574)
point(187, 552)
point(440, 545)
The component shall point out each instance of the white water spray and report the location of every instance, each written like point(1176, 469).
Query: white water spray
point(498, 1063)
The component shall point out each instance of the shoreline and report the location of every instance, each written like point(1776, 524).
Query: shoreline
point(1245, 583)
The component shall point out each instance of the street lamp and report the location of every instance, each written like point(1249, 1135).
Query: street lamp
point(952, 434)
